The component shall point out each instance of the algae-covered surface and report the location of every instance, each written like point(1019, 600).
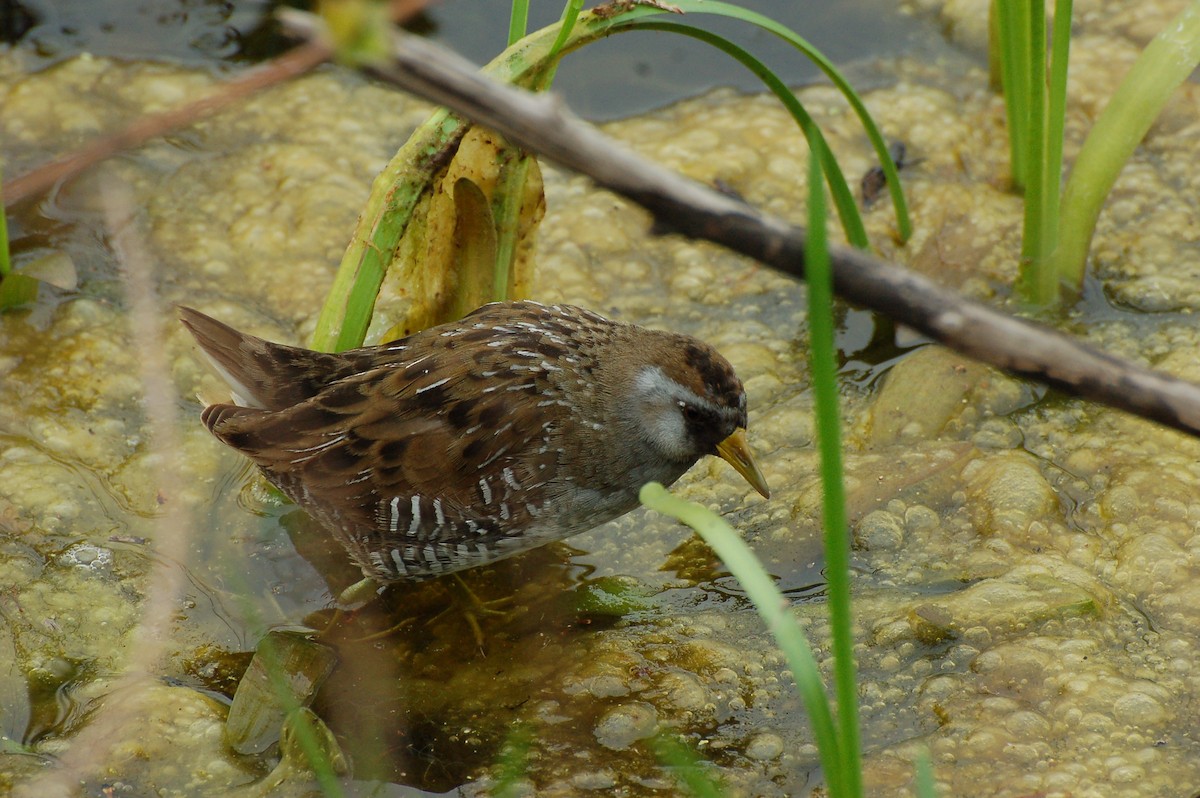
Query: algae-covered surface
point(1025, 564)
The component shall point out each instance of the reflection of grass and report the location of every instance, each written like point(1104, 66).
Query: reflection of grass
point(925, 787)
point(1163, 65)
point(512, 763)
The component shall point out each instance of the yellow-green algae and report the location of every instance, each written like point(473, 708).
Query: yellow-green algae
point(1027, 570)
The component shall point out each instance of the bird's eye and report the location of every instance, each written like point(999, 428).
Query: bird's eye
point(691, 413)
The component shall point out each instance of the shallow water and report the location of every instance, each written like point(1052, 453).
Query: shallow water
point(1024, 564)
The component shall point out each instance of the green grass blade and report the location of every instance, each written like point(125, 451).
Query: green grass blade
point(313, 739)
point(16, 289)
point(772, 607)
point(518, 21)
point(394, 196)
point(903, 224)
point(510, 190)
point(1012, 22)
point(1038, 282)
point(1056, 114)
point(570, 16)
point(1165, 63)
point(851, 219)
point(1024, 75)
point(823, 364)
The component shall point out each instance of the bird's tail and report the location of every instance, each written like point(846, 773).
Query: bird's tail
point(260, 373)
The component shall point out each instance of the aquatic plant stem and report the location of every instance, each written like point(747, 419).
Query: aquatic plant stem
point(1165, 63)
point(509, 195)
point(1012, 23)
point(1038, 285)
point(1055, 126)
point(823, 365)
point(1036, 108)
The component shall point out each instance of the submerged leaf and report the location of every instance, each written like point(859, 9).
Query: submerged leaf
point(307, 749)
point(613, 597)
point(287, 670)
point(56, 269)
point(292, 751)
point(20, 286)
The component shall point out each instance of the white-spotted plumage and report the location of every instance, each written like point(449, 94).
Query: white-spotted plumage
point(517, 425)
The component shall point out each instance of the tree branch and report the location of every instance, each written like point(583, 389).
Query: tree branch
point(291, 64)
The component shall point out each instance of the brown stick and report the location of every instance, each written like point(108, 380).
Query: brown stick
point(291, 64)
point(43, 178)
point(541, 124)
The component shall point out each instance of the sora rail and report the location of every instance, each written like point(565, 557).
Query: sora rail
point(514, 426)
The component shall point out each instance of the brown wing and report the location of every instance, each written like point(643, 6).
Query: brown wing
point(420, 469)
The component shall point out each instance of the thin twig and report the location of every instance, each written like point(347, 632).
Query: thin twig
point(295, 62)
point(542, 124)
point(291, 64)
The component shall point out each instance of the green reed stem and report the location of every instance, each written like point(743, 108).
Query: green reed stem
point(1165, 63)
point(822, 354)
point(1035, 102)
point(518, 21)
point(1012, 20)
point(509, 195)
point(1038, 284)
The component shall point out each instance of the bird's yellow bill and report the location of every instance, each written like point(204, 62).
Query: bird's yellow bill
point(735, 451)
